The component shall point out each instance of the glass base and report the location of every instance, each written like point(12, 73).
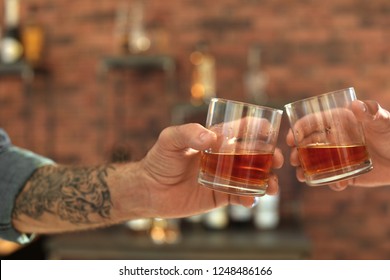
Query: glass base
point(230, 187)
point(320, 179)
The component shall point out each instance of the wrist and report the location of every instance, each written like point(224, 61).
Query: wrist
point(129, 193)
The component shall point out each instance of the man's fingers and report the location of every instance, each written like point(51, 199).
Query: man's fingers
point(372, 115)
point(290, 138)
point(278, 159)
point(300, 175)
point(186, 136)
point(294, 158)
point(273, 185)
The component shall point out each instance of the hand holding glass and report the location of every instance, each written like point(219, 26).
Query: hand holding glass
point(329, 138)
point(241, 159)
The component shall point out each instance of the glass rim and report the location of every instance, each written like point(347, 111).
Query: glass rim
point(214, 99)
point(348, 89)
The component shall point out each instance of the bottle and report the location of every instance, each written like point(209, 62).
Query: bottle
point(240, 217)
point(192, 223)
point(121, 29)
point(33, 38)
point(266, 212)
point(255, 79)
point(11, 44)
point(203, 88)
point(203, 75)
point(216, 219)
point(138, 41)
point(139, 225)
point(165, 231)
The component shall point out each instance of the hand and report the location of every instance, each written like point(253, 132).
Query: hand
point(376, 126)
point(171, 172)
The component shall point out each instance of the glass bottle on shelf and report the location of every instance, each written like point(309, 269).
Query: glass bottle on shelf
point(202, 89)
point(255, 78)
point(165, 231)
point(203, 86)
point(121, 32)
point(240, 217)
point(216, 219)
point(11, 44)
point(266, 212)
point(138, 41)
point(33, 38)
point(140, 226)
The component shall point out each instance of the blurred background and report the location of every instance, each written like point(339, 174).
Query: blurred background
point(96, 81)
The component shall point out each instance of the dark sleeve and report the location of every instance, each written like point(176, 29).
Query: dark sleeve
point(16, 167)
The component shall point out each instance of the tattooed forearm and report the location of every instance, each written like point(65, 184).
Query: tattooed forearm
point(75, 194)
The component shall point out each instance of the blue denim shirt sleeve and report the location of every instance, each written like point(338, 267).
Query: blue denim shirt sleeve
point(16, 167)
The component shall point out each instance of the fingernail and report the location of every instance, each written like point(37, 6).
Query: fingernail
point(371, 108)
point(363, 107)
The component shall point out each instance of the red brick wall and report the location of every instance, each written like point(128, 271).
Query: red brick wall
point(309, 47)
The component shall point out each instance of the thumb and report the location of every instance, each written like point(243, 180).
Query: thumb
point(186, 136)
point(372, 115)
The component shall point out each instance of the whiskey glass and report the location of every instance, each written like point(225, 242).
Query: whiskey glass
point(240, 160)
point(329, 138)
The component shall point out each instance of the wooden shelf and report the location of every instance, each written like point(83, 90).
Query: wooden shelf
point(163, 62)
point(21, 69)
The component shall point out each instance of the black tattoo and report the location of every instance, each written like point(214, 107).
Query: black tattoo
point(75, 194)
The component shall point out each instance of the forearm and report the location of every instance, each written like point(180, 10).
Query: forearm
point(61, 198)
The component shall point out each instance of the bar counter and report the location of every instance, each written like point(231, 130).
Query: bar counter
point(120, 243)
